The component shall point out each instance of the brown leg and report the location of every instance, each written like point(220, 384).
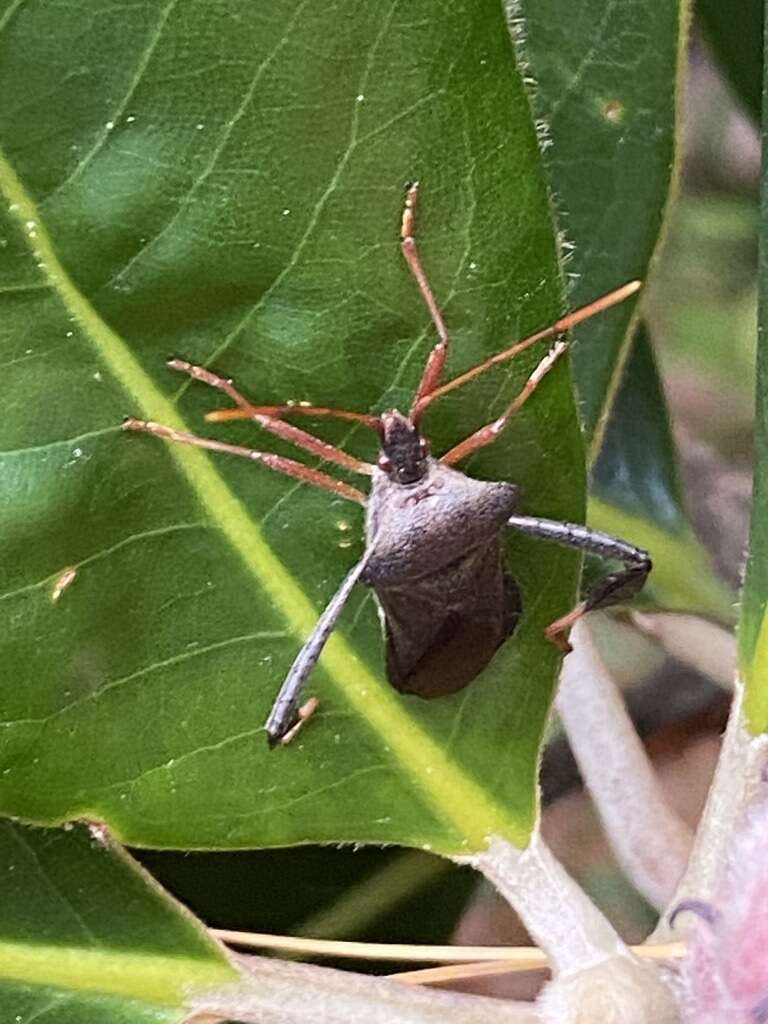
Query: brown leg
point(436, 360)
point(286, 431)
point(269, 459)
point(559, 327)
point(556, 631)
point(487, 434)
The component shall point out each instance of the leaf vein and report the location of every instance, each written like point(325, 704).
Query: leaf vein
point(120, 109)
point(104, 553)
point(147, 670)
point(321, 203)
point(218, 149)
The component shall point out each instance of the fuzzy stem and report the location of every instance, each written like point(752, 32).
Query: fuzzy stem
point(273, 992)
point(557, 913)
point(737, 778)
point(649, 839)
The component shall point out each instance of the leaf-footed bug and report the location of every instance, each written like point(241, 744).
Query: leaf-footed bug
point(433, 553)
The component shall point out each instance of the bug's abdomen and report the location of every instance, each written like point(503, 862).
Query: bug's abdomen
point(443, 631)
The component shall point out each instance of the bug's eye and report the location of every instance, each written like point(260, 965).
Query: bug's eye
point(384, 464)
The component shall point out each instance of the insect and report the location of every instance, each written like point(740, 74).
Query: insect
point(433, 554)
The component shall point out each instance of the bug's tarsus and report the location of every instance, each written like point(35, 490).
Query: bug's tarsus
point(612, 589)
point(303, 714)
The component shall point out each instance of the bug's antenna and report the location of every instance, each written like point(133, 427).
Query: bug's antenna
point(560, 326)
point(293, 409)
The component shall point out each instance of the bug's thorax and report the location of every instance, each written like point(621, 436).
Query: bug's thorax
point(421, 513)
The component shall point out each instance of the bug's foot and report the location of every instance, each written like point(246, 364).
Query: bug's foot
point(286, 736)
point(556, 631)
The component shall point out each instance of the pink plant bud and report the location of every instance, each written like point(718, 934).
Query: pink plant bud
point(724, 974)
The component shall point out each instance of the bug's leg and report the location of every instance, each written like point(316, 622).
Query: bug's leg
point(611, 589)
point(487, 434)
point(276, 462)
point(286, 431)
point(284, 715)
point(303, 714)
point(436, 359)
point(560, 326)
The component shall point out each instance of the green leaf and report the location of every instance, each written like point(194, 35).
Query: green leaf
point(635, 493)
point(636, 468)
point(85, 936)
point(605, 82)
point(753, 626)
point(735, 31)
point(605, 89)
point(230, 187)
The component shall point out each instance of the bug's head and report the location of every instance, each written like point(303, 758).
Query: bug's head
point(404, 452)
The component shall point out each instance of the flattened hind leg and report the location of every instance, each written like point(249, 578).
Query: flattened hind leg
point(612, 589)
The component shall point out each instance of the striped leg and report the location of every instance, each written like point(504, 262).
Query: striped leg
point(614, 588)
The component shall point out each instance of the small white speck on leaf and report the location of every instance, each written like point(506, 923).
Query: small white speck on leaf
point(65, 580)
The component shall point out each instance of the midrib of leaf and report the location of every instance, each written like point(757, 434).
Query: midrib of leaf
point(455, 796)
point(150, 977)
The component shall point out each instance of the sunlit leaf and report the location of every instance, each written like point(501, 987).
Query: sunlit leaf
point(86, 937)
point(228, 185)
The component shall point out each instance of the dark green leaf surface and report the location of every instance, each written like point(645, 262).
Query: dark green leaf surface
point(635, 492)
point(85, 936)
point(368, 894)
point(753, 627)
point(735, 31)
point(227, 183)
point(636, 468)
point(604, 84)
